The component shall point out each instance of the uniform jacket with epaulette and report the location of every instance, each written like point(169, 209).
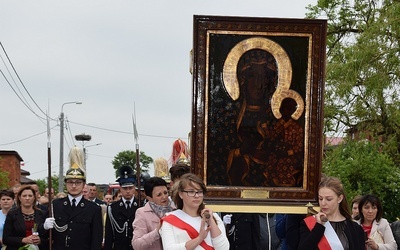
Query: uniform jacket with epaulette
point(118, 228)
point(77, 228)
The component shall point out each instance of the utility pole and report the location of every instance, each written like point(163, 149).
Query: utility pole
point(61, 173)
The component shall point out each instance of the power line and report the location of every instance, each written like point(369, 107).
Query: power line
point(129, 133)
point(68, 127)
point(26, 105)
point(12, 78)
point(23, 85)
point(26, 138)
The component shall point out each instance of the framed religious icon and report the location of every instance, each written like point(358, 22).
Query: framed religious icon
point(258, 109)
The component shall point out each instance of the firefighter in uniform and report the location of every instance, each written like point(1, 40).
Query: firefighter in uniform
point(121, 213)
point(76, 222)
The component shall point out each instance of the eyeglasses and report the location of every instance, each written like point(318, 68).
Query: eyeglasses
point(76, 183)
point(192, 193)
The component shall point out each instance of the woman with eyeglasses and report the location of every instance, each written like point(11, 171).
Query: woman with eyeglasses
point(147, 219)
point(192, 226)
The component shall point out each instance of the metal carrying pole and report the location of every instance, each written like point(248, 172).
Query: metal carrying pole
point(49, 181)
point(136, 137)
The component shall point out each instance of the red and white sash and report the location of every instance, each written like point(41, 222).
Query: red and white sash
point(330, 240)
point(177, 222)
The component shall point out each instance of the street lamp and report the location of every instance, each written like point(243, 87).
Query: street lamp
point(84, 151)
point(61, 173)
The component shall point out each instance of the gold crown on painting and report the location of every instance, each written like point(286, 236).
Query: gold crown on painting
point(258, 57)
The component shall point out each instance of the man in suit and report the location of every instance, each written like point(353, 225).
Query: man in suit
point(92, 194)
point(243, 231)
point(42, 207)
point(121, 214)
point(76, 222)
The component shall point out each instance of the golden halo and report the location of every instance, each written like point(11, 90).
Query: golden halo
point(231, 83)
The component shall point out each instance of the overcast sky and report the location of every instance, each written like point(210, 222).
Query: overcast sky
point(109, 55)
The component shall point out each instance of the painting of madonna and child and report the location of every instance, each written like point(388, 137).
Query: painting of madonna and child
point(258, 122)
point(257, 108)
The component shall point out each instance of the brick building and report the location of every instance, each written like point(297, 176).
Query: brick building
point(10, 161)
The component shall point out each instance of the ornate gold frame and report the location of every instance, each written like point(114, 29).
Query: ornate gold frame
point(278, 37)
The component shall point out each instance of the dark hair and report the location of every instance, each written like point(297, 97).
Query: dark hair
point(7, 192)
point(336, 186)
point(151, 183)
point(186, 180)
point(374, 201)
point(356, 199)
point(178, 170)
point(115, 195)
point(91, 184)
point(22, 189)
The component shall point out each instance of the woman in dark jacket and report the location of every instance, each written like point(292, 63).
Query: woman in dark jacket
point(332, 227)
point(23, 220)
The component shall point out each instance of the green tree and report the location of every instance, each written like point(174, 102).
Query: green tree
point(42, 183)
point(364, 169)
point(363, 68)
point(3, 179)
point(128, 157)
point(362, 94)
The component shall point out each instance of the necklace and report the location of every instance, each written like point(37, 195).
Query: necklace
point(28, 217)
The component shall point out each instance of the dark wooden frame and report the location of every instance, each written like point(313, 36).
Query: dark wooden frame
point(214, 37)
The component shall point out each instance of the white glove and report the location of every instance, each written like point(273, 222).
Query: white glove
point(49, 223)
point(227, 219)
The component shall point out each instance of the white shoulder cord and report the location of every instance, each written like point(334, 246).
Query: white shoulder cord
point(269, 232)
point(114, 224)
point(57, 227)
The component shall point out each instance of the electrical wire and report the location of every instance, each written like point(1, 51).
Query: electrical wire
point(26, 138)
point(26, 105)
point(129, 133)
point(68, 127)
point(19, 78)
point(13, 80)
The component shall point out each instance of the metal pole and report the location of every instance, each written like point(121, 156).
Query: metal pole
point(138, 176)
point(49, 184)
point(84, 157)
point(61, 173)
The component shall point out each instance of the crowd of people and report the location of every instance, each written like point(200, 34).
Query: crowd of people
point(177, 218)
point(173, 215)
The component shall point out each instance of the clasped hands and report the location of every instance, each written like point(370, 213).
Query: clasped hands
point(205, 222)
point(32, 239)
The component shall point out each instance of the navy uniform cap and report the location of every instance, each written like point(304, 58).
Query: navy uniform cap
point(126, 177)
point(143, 178)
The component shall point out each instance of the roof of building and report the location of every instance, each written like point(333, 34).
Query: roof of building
point(25, 180)
point(11, 152)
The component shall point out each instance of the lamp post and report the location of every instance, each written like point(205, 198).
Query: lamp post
point(84, 151)
point(61, 173)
